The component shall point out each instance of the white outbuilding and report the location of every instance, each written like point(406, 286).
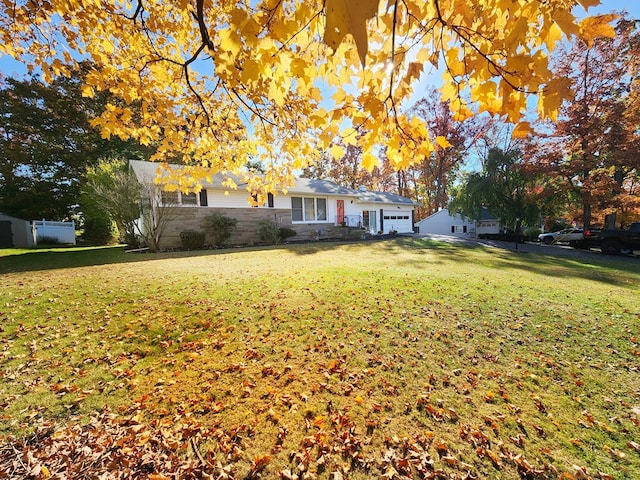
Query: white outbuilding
point(445, 223)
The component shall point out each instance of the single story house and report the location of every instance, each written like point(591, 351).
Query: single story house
point(314, 208)
point(15, 232)
point(445, 223)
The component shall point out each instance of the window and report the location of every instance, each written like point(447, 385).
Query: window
point(188, 199)
point(321, 203)
point(179, 198)
point(296, 209)
point(308, 209)
point(170, 198)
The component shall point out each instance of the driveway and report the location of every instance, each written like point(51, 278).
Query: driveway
point(529, 247)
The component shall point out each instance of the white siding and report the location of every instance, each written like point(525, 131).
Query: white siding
point(24, 234)
point(442, 223)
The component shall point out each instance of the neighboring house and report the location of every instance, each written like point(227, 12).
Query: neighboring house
point(444, 223)
point(315, 209)
point(15, 232)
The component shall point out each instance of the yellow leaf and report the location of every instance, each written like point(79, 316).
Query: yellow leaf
point(350, 136)
point(442, 142)
point(553, 37)
point(369, 161)
point(87, 91)
point(337, 152)
point(349, 17)
point(230, 41)
point(275, 94)
point(450, 90)
point(597, 27)
point(522, 130)
point(107, 46)
point(550, 100)
point(567, 22)
point(414, 71)
point(250, 71)
point(589, 3)
point(319, 421)
point(454, 65)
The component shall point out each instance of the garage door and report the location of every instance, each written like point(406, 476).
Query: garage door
point(398, 220)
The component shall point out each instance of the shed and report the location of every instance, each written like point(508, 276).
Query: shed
point(15, 232)
point(445, 223)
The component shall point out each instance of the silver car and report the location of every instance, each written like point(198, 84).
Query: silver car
point(563, 236)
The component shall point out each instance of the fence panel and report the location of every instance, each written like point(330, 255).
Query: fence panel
point(65, 232)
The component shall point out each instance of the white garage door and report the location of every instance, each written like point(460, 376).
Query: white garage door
point(398, 220)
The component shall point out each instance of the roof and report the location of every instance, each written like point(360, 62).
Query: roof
point(4, 216)
point(383, 197)
point(485, 215)
point(316, 186)
point(148, 172)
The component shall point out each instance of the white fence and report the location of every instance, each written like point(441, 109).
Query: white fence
point(65, 232)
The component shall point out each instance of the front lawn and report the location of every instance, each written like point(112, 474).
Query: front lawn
point(398, 359)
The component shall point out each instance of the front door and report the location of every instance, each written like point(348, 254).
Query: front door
point(373, 226)
point(340, 212)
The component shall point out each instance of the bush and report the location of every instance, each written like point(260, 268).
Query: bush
point(100, 230)
point(192, 240)
point(45, 240)
point(287, 233)
point(532, 233)
point(220, 228)
point(269, 232)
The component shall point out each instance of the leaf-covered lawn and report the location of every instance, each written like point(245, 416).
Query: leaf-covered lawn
point(394, 359)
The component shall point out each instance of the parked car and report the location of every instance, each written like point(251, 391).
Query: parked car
point(563, 236)
point(614, 242)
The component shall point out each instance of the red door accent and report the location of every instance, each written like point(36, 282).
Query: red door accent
point(340, 212)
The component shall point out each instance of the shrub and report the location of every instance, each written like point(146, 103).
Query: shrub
point(269, 232)
point(45, 240)
point(192, 240)
point(287, 233)
point(532, 233)
point(220, 228)
point(100, 230)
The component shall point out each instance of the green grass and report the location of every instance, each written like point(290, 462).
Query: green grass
point(339, 357)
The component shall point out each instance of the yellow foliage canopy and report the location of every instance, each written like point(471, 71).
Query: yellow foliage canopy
point(217, 82)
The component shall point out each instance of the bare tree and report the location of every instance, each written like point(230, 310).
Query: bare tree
point(139, 208)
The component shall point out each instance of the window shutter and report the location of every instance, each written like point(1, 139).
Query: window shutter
point(203, 198)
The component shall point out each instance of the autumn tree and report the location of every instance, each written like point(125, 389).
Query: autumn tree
point(429, 180)
point(592, 152)
point(221, 82)
point(347, 170)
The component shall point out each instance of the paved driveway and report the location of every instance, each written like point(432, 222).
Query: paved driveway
point(533, 247)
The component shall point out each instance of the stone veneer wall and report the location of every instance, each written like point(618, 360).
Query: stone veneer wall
point(246, 232)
